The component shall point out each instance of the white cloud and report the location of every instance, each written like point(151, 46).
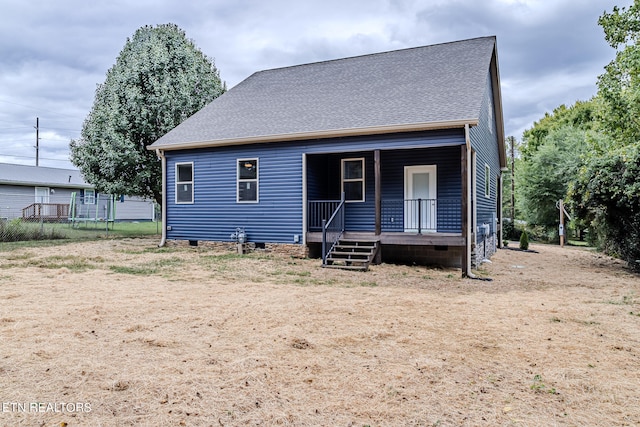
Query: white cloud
point(54, 53)
point(533, 98)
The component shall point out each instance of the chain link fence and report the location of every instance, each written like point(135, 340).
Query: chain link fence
point(69, 214)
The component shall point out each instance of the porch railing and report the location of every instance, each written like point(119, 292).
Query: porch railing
point(319, 210)
point(421, 215)
point(397, 215)
point(46, 212)
point(332, 230)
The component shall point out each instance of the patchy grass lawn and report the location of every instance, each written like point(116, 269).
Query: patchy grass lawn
point(140, 335)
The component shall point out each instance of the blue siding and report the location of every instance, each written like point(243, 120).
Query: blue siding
point(215, 214)
point(360, 216)
point(484, 141)
point(277, 217)
point(449, 184)
point(318, 170)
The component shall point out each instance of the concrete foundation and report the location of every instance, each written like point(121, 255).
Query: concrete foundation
point(293, 250)
point(484, 249)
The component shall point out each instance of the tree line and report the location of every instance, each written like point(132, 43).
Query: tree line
point(588, 154)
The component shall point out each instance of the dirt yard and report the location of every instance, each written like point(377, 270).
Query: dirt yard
point(123, 333)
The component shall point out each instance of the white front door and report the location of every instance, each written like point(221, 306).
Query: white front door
point(420, 208)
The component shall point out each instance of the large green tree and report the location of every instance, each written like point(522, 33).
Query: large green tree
point(619, 86)
point(607, 191)
point(545, 176)
point(551, 156)
point(159, 79)
point(607, 194)
point(581, 115)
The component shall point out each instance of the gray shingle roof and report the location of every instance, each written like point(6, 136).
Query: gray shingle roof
point(430, 84)
point(11, 174)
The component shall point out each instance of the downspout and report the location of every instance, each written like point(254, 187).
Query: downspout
point(163, 159)
point(470, 221)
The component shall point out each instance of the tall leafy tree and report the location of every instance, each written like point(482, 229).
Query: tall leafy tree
point(619, 86)
point(581, 115)
point(159, 79)
point(607, 191)
point(552, 153)
point(545, 176)
point(607, 194)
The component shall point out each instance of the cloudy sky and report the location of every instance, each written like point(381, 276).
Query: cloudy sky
point(54, 53)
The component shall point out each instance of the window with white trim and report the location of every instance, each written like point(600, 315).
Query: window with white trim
point(487, 181)
point(184, 183)
point(247, 178)
point(89, 196)
point(353, 179)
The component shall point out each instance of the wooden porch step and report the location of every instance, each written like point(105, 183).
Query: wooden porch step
point(356, 247)
point(347, 261)
point(347, 267)
point(359, 242)
point(350, 254)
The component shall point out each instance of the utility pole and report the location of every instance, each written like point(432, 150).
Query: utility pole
point(37, 141)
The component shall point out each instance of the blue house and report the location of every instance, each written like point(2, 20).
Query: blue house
point(397, 155)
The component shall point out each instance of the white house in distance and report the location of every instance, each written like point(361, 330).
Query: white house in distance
point(36, 192)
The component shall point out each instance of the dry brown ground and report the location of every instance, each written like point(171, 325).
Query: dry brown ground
point(186, 336)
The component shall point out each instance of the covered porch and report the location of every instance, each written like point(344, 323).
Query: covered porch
point(409, 201)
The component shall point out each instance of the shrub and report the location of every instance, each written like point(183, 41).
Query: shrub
point(524, 240)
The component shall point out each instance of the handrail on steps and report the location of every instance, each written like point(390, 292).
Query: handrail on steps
point(332, 229)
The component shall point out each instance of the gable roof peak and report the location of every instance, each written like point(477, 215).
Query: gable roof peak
point(408, 89)
point(373, 54)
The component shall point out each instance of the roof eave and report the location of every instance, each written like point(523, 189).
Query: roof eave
point(334, 133)
point(497, 103)
point(45, 184)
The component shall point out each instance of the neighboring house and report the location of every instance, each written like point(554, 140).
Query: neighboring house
point(36, 192)
point(412, 138)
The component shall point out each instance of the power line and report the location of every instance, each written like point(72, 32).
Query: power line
point(48, 128)
point(32, 157)
point(16, 140)
point(37, 108)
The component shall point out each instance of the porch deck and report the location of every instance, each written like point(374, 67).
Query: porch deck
point(48, 212)
point(397, 238)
